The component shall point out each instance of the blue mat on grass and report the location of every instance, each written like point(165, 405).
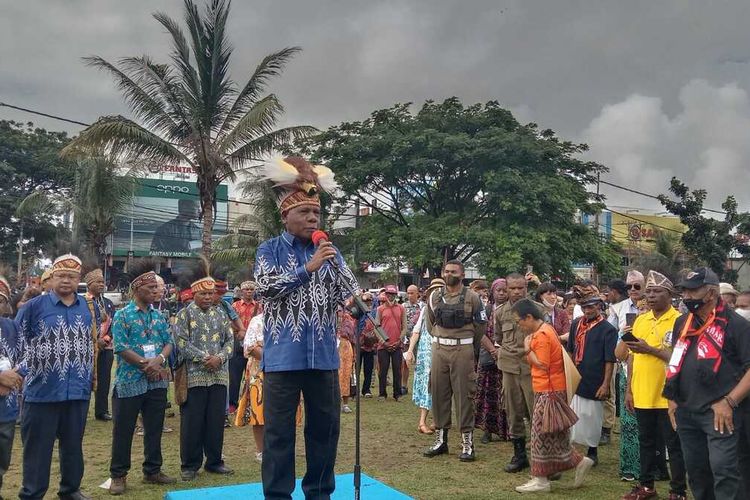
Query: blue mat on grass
point(371, 489)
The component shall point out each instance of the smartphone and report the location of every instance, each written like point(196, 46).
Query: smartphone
point(529, 269)
point(629, 337)
point(630, 318)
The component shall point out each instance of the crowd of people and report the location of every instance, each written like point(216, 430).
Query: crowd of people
point(550, 370)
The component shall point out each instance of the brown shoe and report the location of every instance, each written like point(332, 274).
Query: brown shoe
point(640, 493)
point(117, 486)
point(159, 478)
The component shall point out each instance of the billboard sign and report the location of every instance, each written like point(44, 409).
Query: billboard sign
point(163, 220)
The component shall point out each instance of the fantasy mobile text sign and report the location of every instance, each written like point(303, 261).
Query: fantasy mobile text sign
point(163, 220)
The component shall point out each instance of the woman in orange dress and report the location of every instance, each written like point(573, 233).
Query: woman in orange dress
point(550, 452)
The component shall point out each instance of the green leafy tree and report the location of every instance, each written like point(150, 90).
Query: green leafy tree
point(191, 112)
point(100, 192)
point(29, 162)
point(464, 182)
point(709, 240)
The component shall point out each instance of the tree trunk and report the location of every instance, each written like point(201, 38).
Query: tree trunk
point(208, 225)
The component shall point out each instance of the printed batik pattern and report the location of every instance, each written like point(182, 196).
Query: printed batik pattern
point(300, 307)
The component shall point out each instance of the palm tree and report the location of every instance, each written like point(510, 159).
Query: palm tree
point(101, 191)
point(191, 112)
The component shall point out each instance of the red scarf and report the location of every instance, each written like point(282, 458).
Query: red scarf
point(710, 337)
point(584, 326)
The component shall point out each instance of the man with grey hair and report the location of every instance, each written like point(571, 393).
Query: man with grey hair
point(707, 381)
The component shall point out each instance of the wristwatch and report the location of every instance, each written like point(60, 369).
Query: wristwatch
point(163, 359)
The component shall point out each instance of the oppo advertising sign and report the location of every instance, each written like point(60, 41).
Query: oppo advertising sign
point(163, 220)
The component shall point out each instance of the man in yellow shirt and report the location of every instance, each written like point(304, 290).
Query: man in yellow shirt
point(650, 352)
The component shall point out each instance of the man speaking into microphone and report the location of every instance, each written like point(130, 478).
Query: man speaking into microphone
point(301, 285)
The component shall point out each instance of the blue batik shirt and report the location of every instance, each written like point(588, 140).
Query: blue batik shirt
point(58, 349)
point(11, 347)
point(299, 331)
point(133, 329)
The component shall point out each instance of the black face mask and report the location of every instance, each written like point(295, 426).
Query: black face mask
point(693, 305)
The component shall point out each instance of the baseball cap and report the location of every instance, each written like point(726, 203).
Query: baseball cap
point(391, 289)
point(699, 277)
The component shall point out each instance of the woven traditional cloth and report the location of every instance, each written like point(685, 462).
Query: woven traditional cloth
point(144, 279)
point(658, 279)
point(550, 453)
point(247, 285)
point(203, 285)
point(67, 262)
point(93, 276)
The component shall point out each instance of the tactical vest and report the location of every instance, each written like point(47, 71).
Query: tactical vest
point(453, 315)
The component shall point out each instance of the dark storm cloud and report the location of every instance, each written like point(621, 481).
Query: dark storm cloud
point(590, 70)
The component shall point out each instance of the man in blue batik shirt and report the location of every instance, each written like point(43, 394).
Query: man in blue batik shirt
point(143, 343)
point(11, 378)
point(300, 290)
point(59, 355)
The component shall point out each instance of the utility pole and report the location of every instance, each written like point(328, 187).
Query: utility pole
point(596, 229)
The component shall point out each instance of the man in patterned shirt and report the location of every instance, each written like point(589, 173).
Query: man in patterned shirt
point(102, 309)
point(300, 286)
point(143, 343)
point(204, 337)
point(59, 347)
point(11, 378)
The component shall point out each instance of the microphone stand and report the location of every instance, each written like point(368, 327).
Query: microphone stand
point(358, 310)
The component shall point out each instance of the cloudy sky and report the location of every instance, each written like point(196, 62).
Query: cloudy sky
point(656, 89)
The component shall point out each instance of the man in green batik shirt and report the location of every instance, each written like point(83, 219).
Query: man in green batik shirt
point(205, 340)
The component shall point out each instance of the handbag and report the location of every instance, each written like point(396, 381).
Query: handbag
point(557, 415)
point(572, 376)
point(180, 373)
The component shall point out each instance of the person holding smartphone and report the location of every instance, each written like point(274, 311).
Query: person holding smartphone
point(650, 343)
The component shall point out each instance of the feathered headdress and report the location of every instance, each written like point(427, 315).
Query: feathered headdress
point(297, 182)
point(201, 280)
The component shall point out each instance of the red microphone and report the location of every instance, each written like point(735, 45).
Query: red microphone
point(318, 236)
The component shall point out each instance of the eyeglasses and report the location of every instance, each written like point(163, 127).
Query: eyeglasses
point(634, 286)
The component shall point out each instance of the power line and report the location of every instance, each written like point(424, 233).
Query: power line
point(654, 197)
point(26, 110)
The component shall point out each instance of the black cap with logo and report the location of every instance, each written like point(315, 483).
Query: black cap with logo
point(699, 277)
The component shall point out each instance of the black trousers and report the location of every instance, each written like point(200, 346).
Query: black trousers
point(237, 366)
point(743, 447)
point(152, 406)
point(281, 393)
point(103, 380)
point(710, 457)
point(394, 358)
point(654, 428)
point(42, 424)
point(7, 433)
point(202, 427)
point(367, 361)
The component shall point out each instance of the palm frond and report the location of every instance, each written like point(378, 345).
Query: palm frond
point(181, 57)
point(257, 149)
point(39, 203)
point(258, 121)
point(235, 249)
point(271, 66)
point(140, 101)
point(157, 80)
point(120, 136)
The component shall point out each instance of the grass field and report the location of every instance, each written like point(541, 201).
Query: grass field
point(391, 452)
